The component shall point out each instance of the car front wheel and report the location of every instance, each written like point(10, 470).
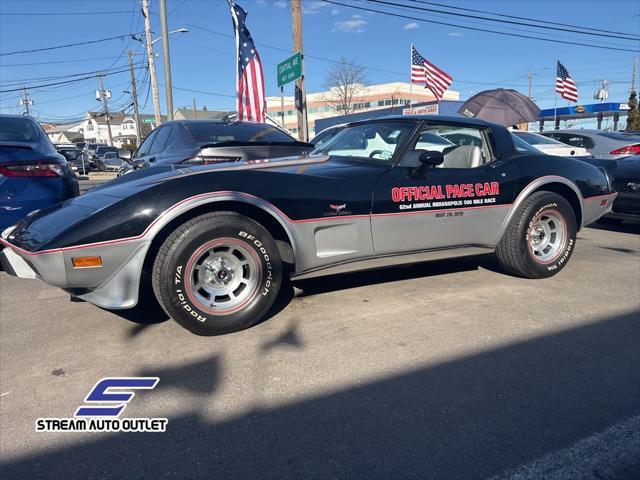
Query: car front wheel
point(540, 237)
point(217, 273)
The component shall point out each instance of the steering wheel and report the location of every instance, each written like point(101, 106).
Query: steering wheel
point(379, 152)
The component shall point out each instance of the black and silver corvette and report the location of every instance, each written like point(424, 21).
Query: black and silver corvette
point(219, 240)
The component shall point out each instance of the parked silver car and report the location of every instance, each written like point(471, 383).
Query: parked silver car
point(599, 143)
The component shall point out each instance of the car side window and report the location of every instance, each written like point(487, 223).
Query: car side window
point(462, 147)
point(160, 142)
point(146, 144)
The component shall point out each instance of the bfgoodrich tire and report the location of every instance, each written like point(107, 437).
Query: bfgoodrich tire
point(540, 238)
point(217, 273)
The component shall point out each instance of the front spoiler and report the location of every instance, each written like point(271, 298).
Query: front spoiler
point(14, 265)
point(114, 285)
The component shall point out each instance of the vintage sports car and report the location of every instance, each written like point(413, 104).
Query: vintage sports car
point(218, 241)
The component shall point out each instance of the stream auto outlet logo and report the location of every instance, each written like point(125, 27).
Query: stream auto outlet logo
point(103, 405)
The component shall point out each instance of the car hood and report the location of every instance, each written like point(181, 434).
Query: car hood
point(143, 178)
point(40, 228)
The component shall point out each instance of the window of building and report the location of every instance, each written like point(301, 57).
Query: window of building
point(90, 126)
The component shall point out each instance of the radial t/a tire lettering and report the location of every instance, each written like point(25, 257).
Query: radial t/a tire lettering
point(217, 273)
point(540, 238)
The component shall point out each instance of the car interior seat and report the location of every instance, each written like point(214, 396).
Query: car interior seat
point(464, 156)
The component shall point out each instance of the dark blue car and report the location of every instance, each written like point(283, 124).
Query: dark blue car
point(33, 175)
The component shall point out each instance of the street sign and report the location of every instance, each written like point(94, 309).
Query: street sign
point(149, 120)
point(290, 69)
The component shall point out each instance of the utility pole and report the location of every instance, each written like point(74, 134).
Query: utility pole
point(25, 100)
point(103, 94)
point(296, 17)
point(134, 94)
point(195, 112)
point(633, 73)
point(152, 61)
point(167, 59)
point(530, 77)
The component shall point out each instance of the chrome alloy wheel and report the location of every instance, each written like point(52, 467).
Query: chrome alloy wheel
point(547, 236)
point(223, 276)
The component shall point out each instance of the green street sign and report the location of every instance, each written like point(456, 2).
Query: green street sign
point(148, 120)
point(290, 69)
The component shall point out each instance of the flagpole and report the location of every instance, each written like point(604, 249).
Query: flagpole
point(410, 81)
point(555, 109)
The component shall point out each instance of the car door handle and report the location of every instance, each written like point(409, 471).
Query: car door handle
point(152, 159)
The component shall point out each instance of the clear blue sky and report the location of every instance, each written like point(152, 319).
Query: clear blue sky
point(204, 61)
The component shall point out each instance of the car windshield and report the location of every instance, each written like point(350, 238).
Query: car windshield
point(240, 132)
point(18, 130)
point(325, 136)
point(535, 139)
point(376, 141)
point(522, 146)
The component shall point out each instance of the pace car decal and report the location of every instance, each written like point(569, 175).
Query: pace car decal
point(445, 196)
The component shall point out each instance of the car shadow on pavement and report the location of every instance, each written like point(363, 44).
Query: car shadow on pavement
point(345, 281)
point(470, 416)
point(625, 227)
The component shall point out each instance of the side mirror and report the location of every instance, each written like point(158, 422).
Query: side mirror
point(125, 154)
point(431, 158)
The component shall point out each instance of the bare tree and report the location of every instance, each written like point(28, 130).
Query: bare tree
point(345, 81)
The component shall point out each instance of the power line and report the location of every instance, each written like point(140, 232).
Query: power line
point(122, 37)
point(33, 87)
point(58, 61)
point(509, 22)
point(478, 22)
point(421, 19)
point(330, 60)
point(60, 14)
point(215, 94)
point(57, 77)
point(504, 15)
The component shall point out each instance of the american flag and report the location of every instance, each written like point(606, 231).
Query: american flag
point(423, 71)
point(250, 104)
point(565, 85)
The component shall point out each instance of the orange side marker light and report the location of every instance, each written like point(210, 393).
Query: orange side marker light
point(86, 262)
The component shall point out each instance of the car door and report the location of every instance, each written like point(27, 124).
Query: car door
point(141, 155)
point(462, 202)
point(157, 152)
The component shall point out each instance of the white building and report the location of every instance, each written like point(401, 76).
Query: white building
point(372, 97)
point(123, 127)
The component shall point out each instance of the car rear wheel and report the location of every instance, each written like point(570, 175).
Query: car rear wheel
point(217, 273)
point(540, 237)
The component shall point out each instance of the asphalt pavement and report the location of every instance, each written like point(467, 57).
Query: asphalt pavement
point(440, 370)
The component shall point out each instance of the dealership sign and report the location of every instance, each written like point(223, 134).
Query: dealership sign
point(102, 407)
point(424, 110)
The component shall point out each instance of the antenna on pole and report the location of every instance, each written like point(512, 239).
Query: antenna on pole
point(26, 101)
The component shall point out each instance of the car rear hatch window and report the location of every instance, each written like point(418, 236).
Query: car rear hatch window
point(208, 133)
point(18, 130)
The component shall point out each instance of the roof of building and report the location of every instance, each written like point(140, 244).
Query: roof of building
point(62, 128)
point(117, 118)
point(190, 114)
